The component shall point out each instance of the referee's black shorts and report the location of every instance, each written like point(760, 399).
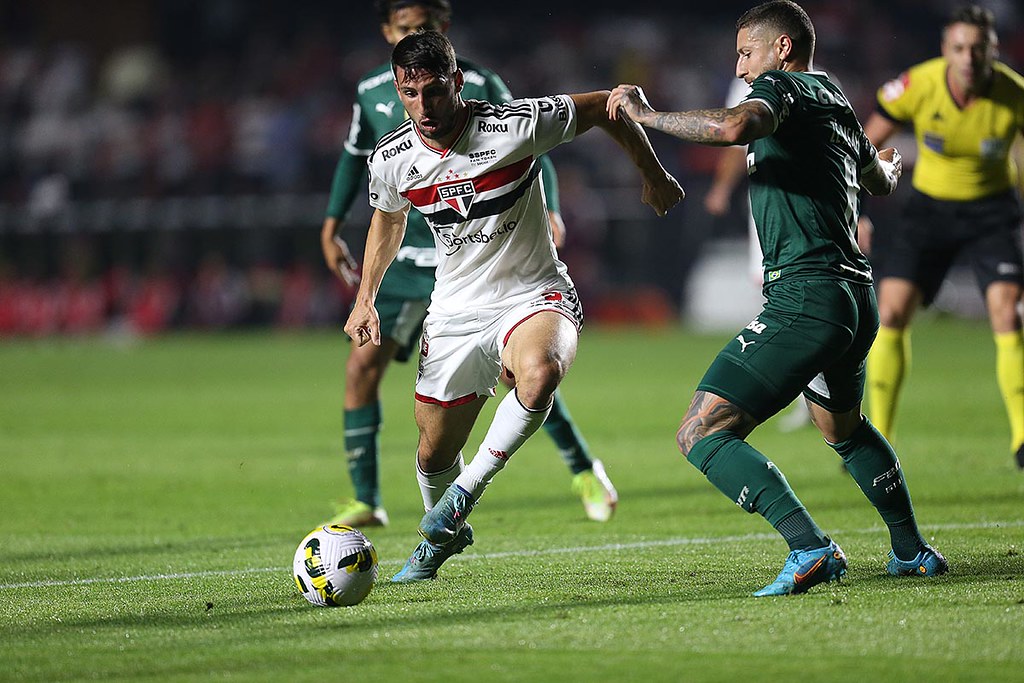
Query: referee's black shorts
point(983, 233)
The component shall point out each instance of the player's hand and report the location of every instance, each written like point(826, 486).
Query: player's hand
point(629, 100)
point(662, 193)
point(363, 324)
point(337, 255)
point(892, 156)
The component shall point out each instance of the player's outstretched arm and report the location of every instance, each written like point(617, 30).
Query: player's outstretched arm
point(885, 175)
point(387, 229)
point(660, 190)
point(739, 125)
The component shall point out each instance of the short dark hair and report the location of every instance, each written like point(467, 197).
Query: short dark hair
point(440, 11)
point(785, 17)
point(975, 15)
point(425, 52)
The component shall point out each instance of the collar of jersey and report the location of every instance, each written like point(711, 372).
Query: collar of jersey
point(446, 152)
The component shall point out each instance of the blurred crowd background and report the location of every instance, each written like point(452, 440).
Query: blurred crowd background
point(166, 163)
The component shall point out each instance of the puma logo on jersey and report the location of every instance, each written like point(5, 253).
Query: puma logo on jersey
point(743, 342)
point(385, 109)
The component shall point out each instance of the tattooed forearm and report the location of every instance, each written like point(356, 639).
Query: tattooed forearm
point(703, 125)
point(733, 126)
point(708, 414)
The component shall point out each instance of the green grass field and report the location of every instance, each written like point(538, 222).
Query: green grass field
point(152, 495)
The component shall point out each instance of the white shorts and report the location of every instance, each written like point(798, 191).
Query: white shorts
point(460, 356)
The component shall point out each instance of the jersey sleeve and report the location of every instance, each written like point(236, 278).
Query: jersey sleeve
point(896, 98)
point(347, 182)
point(867, 154)
point(776, 91)
point(351, 168)
point(383, 194)
point(360, 140)
point(555, 122)
point(496, 92)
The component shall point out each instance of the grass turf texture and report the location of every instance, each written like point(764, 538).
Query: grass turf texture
point(153, 494)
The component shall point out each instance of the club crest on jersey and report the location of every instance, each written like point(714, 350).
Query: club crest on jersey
point(458, 195)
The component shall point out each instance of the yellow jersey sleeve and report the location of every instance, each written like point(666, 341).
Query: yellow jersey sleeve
point(962, 153)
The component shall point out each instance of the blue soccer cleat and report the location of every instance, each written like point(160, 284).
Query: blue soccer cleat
point(444, 521)
point(428, 557)
point(929, 562)
point(807, 568)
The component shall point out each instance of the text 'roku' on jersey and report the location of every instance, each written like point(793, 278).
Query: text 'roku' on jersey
point(482, 199)
point(804, 179)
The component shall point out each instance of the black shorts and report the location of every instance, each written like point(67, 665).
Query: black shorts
point(985, 234)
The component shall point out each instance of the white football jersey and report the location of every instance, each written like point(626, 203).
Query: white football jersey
point(482, 199)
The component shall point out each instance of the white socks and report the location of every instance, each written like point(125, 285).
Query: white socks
point(433, 485)
point(513, 424)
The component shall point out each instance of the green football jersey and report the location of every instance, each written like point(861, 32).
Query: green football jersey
point(377, 111)
point(805, 177)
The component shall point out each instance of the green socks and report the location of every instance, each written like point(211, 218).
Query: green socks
point(754, 483)
point(874, 466)
point(362, 430)
point(567, 438)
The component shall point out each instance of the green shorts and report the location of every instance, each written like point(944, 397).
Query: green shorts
point(402, 321)
point(811, 336)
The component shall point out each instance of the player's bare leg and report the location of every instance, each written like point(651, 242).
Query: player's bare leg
point(538, 352)
point(443, 432)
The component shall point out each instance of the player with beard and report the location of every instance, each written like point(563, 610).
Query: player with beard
point(405, 291)
point(502, 299)
point(809, 157)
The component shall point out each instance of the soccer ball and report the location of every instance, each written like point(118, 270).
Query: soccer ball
point(335, 565)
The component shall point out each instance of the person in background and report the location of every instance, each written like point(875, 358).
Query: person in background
point(967, 112)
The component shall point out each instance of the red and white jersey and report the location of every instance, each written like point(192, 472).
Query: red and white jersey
point(482, 199)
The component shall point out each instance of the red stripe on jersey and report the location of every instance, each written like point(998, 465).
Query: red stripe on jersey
point(492, 180)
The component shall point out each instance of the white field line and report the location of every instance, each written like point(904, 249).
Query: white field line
point(667, 542)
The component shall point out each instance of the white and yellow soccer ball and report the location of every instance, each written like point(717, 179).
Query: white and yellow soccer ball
point(335, 565)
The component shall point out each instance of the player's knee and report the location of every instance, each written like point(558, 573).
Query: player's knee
point(537, 380)
point(362, 372)
point(893, 317)
point(433, 456)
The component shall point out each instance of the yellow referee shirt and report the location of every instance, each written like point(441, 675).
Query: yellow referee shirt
point(963, 154)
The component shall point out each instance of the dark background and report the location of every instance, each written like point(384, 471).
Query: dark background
point(166, 163)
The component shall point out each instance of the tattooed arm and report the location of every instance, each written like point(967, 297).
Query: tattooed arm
point(737, 125)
